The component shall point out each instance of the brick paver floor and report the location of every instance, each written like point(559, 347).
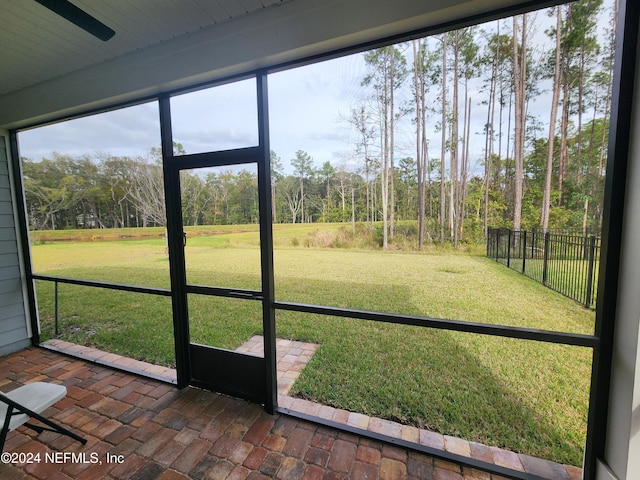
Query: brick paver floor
point(292, 356)
point(142, 429)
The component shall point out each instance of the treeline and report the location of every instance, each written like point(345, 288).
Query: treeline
point(544, 99)
point(63, 192)
point(109, 192)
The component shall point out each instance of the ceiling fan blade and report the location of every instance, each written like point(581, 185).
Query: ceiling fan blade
point(79, 17)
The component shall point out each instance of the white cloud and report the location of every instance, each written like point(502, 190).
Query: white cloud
point(128, 131)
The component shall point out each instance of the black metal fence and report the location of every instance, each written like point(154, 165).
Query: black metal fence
point(567, 263)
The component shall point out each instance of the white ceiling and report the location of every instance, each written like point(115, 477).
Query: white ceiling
point(37, 45)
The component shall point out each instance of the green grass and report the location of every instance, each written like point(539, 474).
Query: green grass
point(526, 396)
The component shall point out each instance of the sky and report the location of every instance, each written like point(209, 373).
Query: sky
point(305, 106)
point(307, 111)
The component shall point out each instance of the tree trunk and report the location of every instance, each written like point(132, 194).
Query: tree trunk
point(520, 81)
point(463, 174)
point(444, 137)
point(453, 165)
point(564, 124)
point(546, 195)
point(384, 177)
point(392, 125)
point(489, 138)
point(418, 78)
point(301, 200)
point(564, 133)
point(580, 108)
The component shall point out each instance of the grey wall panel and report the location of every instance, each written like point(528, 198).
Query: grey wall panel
point(11, 312)
point(11, 285)
point(13, 323)
point(5, 195)
point(9, 272)
point(9, 260)
point(6, 208)
point(8, 246)
point(7, 234)
point(12, 319)
point(15, 337)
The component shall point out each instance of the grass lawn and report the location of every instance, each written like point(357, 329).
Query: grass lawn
point(525, 396)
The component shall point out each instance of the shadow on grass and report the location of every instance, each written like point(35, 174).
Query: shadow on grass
point(428, 379)
point(527, 397)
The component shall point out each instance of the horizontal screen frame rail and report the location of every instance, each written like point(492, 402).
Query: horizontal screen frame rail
point(548, 336)
point(108, 285)
point(225, 292)
point(220, 158)
point(572, 339)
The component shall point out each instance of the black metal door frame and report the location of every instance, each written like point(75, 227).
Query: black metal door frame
point(245, 376)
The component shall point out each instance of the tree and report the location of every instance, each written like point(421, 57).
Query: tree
point(303, 167)
point(491, 57)
point(424, 62)
point(219, 186)
point(346, 185)
point(117, 173)
point(469, 67)
point(195, 198)
point(276, 176)
point(443, 127)
point(49, 187)
point(147, 192)
point(325, 175)
point(519, 84)
point(361, 120)
point(292, 196)
point(244, 198)
point(387, 71)
point(453, 154)
point(546, 197)
point(583, 58)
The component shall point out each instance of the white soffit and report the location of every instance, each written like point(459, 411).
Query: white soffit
point(37, 45)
